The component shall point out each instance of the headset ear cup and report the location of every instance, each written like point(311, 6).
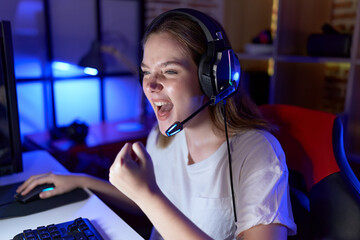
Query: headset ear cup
point(205, 77)
point(228, 70)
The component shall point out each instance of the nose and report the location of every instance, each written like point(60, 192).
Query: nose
point(153, 83)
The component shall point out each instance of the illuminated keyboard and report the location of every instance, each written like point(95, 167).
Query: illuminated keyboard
point(80, 228)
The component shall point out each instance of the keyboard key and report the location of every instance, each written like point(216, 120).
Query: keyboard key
point(80, 236)
point(68, 238)
point(45, 235)
point(88, 233)
point(29, 234)
point(30, 238)
point(55, 234)
point(83, 227)
point(52, 228)
point(42, 229)
point(72, 227)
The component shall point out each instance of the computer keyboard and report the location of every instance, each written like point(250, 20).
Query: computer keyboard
point(80, 228)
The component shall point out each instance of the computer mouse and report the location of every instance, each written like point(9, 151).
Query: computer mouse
point(34, 194)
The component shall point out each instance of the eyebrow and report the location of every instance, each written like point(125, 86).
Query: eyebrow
point(164, 64)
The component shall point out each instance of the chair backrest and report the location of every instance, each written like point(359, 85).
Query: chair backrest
point(306, 137)
point(321, 180)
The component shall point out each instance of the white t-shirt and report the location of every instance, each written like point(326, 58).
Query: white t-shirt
point(202, 190)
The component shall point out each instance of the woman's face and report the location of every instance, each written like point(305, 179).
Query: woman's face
point(170, 80)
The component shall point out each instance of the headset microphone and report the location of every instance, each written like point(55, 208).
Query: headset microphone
point(178, 126)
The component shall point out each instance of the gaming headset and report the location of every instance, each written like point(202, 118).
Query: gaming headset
point(219, 68)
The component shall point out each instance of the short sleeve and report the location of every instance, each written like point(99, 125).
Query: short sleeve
point(262, 188)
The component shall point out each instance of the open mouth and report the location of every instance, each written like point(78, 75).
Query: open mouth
point(163, 108)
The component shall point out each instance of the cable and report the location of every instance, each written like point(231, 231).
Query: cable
point(229, 155)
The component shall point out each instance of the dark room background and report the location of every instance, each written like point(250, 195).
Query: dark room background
point(51, 37)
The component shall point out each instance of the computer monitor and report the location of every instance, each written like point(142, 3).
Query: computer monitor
point(10, 142)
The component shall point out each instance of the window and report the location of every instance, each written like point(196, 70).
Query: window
point(51, 37)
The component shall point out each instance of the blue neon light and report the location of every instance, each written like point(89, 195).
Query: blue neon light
point(236, 76)
point(175, 125)
point(91, 71)
point(64, 69)
point(62, 66)
point(47, 189)
point(171, 134)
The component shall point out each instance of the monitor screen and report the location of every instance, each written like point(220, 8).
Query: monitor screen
point(10, 143)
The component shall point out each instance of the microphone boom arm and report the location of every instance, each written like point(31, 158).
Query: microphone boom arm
point(178, 126)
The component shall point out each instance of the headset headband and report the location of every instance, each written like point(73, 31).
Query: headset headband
point(210, 27)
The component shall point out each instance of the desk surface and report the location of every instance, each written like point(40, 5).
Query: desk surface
point(109, 225)
point(99, 134)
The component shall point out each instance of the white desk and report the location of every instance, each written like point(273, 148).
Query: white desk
point(109, 225)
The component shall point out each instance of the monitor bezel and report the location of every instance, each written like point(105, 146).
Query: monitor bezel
point(7, 67)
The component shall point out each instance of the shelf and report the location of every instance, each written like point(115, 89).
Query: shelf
point(309, 59)
point(321, 83)
point(293, 58)
point(247, 56)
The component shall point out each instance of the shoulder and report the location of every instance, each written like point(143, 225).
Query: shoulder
point(258, 149)
point(256, 139)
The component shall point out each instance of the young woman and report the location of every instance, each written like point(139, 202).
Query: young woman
point(182, 182)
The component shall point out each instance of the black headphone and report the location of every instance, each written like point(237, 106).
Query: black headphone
point(219, 68)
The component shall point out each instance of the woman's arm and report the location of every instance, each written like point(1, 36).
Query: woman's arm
point(268, 232)
point(105, 189)
point(67, 182)
point(132, 173)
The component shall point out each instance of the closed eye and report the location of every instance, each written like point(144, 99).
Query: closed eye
point(171, 72)
point(144, 72)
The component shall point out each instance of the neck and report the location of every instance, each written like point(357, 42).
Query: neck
point(202, 141)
